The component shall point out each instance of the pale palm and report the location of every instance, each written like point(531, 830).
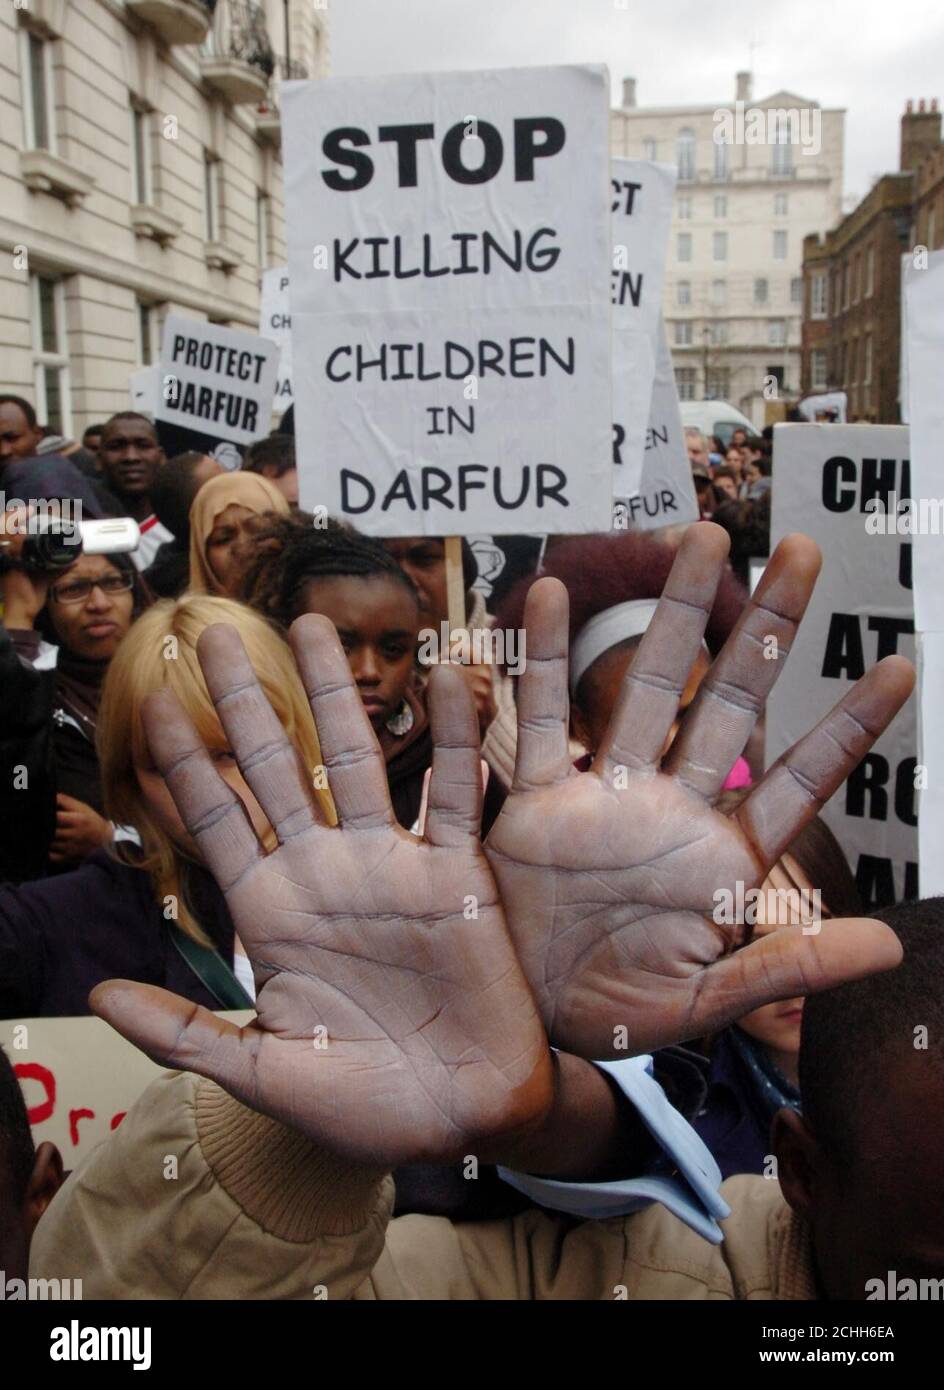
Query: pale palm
point(608, 877)
point(393, 1020)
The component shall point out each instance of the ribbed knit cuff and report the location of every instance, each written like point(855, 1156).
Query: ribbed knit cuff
point(280, 1179)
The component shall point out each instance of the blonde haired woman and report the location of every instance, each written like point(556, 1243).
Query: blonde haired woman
point(147, 910)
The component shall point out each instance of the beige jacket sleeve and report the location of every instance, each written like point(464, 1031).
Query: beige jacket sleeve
point(194, 1196)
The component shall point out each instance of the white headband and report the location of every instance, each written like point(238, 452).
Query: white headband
point(605, 630)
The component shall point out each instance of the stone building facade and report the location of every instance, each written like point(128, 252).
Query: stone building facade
point(140, 174)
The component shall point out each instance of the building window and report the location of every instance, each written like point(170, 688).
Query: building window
point(648, 148)
point(719, 292)
point(149, 348)
point(780, 204)
point(721, 205)
point(684, 208)
point(780, 246)
point(212, 202)
point(50, 354)
point(781, 151)
point(819, 374)
point(856, 276)
point(721, 161)
point(853, 361)
point(760, 291)
point(819, 296)
point(684, 246)
point(777, 333)
point(683, 333)
point(717, 383)
point(718, 333)
point(777, 372)
point(870, 272)
point(719, 246)
point(262, 229)
point(685, 383)
point(867, 361)
point(796, 289)
point(36, 70)
point(684, 292)
point(140, 156)
point(685, 155)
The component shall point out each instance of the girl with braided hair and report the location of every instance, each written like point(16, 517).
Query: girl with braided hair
point(351, 579)
point(308, 566)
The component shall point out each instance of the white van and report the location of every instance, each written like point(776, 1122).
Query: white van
point(715, 417)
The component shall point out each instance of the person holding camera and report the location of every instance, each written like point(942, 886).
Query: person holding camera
point(62, 623)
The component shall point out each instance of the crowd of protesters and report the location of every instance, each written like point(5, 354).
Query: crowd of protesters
point(312, 801)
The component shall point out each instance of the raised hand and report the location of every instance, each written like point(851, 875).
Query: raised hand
point(608, 877)
point(394, 1022)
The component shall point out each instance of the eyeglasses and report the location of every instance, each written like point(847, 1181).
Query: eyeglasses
point(78, 590)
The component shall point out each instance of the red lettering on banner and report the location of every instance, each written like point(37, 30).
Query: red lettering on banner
point(117, 1119)
point(32, 1071)
point(74, 1117)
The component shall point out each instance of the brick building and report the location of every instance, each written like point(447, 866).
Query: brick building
point(852, 277)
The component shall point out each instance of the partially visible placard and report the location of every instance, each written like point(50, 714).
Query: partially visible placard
point(642, 212)
point(275, 322)
point(666, 495)
point(827, 481)
point(79, 1077)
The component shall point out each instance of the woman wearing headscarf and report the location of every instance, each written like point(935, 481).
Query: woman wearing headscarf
point(226, 518)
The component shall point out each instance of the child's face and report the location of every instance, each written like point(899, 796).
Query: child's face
point(377, 621)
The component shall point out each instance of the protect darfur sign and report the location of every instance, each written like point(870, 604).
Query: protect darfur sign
point(77, 1343)
point(449, 255)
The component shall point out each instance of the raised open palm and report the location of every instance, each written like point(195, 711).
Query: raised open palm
point(608, 877)
point(394, 1022)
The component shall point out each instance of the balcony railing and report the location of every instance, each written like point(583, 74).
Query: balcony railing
point(237, 59)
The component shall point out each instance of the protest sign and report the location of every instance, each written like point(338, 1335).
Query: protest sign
point(275, 322)
point(824, 479)
point(666, 495)
point(449, 254)
point(78, 1077)
point(642, 211)
point(920, 516)
point(501, 561)
point(923, 515)
point(216, 389)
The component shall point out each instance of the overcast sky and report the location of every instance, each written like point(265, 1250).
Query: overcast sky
point(868, 56)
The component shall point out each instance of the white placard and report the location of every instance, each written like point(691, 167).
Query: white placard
point(666, 495)
point(931, 760)
point(642, 212)
point(449, 253)
point(275, 322)
point(216, 381)
point(903, 387)
point(924, 297)
point(861, 610)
